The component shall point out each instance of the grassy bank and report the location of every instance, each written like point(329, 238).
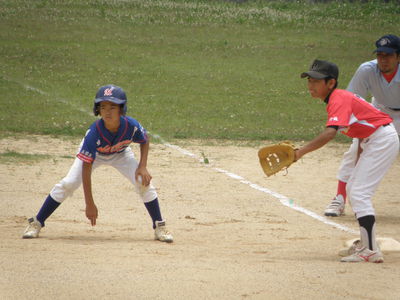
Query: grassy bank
point(191, 69)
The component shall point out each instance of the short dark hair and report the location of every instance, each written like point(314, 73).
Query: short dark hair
point(329, 78)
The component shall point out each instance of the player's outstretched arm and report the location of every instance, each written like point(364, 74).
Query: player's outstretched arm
point(91, 209)
point(142, 168)
point(323, 138)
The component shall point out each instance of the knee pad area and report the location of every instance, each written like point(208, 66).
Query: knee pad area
point(64, 189)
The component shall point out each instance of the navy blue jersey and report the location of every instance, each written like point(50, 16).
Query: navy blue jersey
point(99, 140)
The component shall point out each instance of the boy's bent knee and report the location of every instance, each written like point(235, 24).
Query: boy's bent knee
point(64, 189)
point(148, 194)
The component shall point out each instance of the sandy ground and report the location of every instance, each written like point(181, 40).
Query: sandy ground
point(231, 240)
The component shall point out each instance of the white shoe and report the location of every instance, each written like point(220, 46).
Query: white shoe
point(364, 254)
point(161, 233)
point(33, 229)
point(336, 207)
point(349, 251)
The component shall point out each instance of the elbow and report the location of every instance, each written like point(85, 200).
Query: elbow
point(330, 135)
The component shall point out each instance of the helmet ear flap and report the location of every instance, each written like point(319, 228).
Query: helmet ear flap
point(124, 108)
point(96, 109)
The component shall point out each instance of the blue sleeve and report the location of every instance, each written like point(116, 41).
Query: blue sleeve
point(140, 135)
point(87, 153)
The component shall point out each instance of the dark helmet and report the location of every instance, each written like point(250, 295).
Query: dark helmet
point(111, 93)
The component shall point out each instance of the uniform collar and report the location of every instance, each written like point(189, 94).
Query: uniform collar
point(107, 134)
point(396, 77)
point(326, 100)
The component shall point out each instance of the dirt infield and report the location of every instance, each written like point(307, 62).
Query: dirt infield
point(231, 240)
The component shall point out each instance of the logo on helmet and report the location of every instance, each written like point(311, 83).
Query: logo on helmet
point(383, 42)
point(315, 65)
point(108, 92)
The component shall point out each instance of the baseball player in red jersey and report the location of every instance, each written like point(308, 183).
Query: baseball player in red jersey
point(106, 143)
point(379, 78)
point(378, 148)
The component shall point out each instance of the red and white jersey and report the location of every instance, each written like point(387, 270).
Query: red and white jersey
point(355, 117)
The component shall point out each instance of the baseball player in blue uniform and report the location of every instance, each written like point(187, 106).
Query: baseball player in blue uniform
point(106, 143)
point(381, 79)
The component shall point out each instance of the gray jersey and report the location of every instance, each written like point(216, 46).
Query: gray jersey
point(368, 80)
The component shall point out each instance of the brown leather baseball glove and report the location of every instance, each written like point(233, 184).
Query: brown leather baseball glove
point(277, 157)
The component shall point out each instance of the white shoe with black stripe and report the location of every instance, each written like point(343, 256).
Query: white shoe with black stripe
point(336, 207)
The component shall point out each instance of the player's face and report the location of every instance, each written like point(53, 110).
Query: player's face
point(387, 62)
point(110, 112)
point(319, 88)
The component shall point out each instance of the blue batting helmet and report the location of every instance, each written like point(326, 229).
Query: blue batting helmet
point(111, 93)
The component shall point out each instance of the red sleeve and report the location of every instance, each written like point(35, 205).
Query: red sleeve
point(85, 158)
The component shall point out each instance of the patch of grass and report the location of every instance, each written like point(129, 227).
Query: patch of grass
point(68, 156)
point(191, 68)
point(205, 158)
point(13, 157)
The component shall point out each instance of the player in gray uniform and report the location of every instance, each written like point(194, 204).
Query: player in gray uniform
point(379, 78)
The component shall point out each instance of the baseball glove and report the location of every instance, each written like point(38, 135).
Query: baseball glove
point(277, 157)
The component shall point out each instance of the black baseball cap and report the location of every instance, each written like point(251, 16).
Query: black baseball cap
point(389, 43)
point(321, 69)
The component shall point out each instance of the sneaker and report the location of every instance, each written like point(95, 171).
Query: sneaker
point(33, 229)
point(364, 254)
point(161, 233)
point(349, 251)
point(336, 207)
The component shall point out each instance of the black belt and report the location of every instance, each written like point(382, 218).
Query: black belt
point(387, 124)
point(395, 109)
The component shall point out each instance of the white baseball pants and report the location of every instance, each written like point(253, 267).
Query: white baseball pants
point(124, 162)
point(363, 176)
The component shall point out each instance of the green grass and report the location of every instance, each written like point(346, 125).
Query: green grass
point(191, 69)
point(13, 157)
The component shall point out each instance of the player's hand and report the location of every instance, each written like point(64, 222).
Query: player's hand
point(92, 213)
point(297, 155)
point(144, 174)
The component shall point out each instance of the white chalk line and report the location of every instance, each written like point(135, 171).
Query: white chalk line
point(64, 101)
point(283, 199)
